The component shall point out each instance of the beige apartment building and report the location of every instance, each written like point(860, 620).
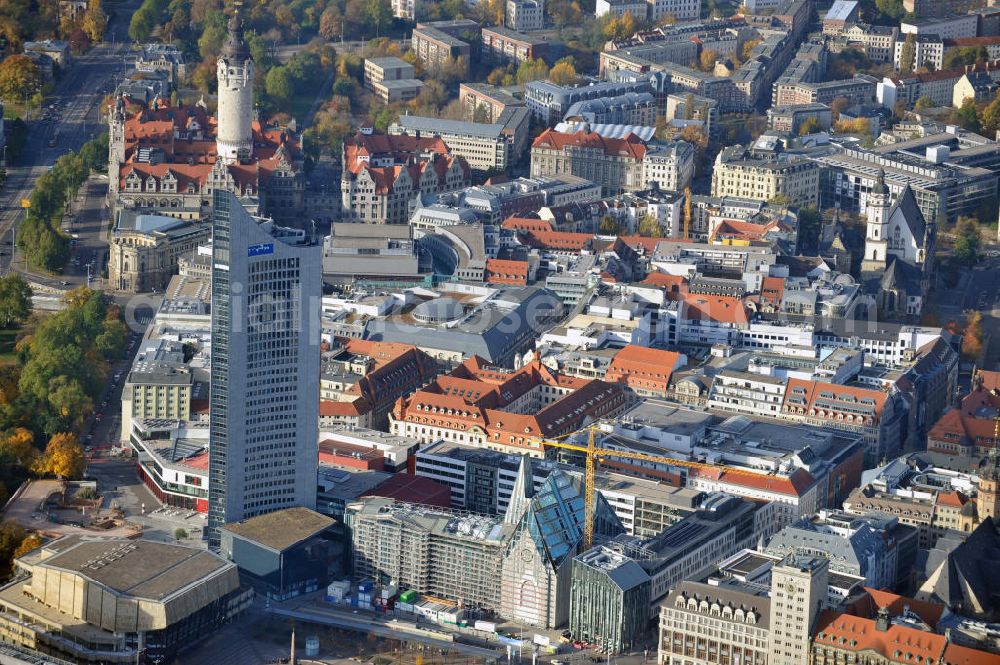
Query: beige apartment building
point(156, 391)
point(796, 179)
point(392, 79)
point(617, 164)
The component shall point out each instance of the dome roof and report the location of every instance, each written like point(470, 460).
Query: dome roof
point(438, 310)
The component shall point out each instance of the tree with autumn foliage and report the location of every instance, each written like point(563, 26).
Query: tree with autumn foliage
point(972, 336)
point(564, 72)
point(620, 28)
point(63, 457)
point(17, 447)
point(19, 76)
point(29, 544)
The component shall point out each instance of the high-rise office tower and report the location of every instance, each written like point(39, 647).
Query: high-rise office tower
point(799, 586)
point(264, 420)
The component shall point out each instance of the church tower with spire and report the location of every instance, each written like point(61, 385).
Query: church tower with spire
point(235, 71)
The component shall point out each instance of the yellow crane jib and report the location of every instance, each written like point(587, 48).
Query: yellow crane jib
point(594, 454)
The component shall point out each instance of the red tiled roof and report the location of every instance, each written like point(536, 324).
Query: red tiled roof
point(667, 281)
point(526, 224)
point(631, 146)
point(826, 401)
point(772, 289)
point(951, 499)
point(643, 368)
point(897, 644)
point(557, 240)
point(869, 604)
point(956, 654)
point(722, 309)
point(502, 271)
point(741, 229)
point(413, 489)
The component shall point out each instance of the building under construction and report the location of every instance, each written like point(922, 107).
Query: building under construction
point(447, 553)
point(516, 566)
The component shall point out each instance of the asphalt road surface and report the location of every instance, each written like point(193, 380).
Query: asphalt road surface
point(78, 94)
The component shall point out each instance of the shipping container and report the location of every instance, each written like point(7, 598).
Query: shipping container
point(487, 626)
point(408, 596)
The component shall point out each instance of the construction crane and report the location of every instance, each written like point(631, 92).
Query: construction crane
point(591, 456)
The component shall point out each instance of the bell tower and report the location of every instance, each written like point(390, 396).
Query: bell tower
point(235, 71)
point(987, 497)
point(876, 237)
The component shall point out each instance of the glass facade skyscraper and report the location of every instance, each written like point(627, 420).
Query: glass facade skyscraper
point(264, 420)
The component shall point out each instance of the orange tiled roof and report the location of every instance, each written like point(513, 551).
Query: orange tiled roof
point(722, 309)
point(897, 644)
point(502, 271)
point(829, 401)
point(640, 367)
point(874, 599)
point(737, 228)
point(526, 224)
point(667, 281)
point(951, 499)
point(956, 654)
point(630, 147)
point(558, 240)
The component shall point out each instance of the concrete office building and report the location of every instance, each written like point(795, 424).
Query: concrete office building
point(506, 45)
point(392, 79)
point(525, 15)
point(484, 146)
point(264, 421)
point(634, 569)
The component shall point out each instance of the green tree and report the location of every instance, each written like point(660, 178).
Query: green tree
point(989, 117)
point(968, 241)
point(377, 14)
point(213, 35)
point(532, 70)
point(924, 102)
point(890, 11)
point(966, 116)
point(15, 299)
point(279, 85)
point(563, 72)
point(69, 401)
point(180, 534)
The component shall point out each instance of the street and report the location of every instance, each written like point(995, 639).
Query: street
point(78, 92)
